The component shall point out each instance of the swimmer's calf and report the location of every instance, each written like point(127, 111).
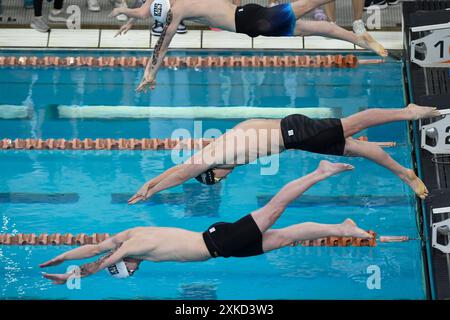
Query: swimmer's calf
point(188, 310)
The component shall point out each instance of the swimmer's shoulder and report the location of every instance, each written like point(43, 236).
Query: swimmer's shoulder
point(194, 8)
point(141, 231)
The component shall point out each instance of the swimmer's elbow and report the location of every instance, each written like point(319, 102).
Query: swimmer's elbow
point(182, 176)
point(96, 250)
point(143, 13)
point(102, 247)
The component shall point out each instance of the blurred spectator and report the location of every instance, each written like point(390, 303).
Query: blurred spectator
point(4, 18)
point(38, 22)
point(273, 3)
point(120, 4)
point(358, 8)
point(28, 4)
point(393, 2)
point(319, 15)
point(380, 4)
point(93, 5)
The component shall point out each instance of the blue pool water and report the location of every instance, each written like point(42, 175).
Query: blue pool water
point(375, 198)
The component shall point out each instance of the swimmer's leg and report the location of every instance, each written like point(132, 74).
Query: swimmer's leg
point(373, 117)
point(279, 238)
point(371, 151)
point(268, 215)
point(328, 29)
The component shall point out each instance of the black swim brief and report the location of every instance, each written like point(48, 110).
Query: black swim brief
point(255, 20)
point(239, 239)
point(325, 136)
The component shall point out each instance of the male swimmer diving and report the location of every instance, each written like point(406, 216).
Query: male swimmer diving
point(251, 19)
point(326, 136)
point(251, 235)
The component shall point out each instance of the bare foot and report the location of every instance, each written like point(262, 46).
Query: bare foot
point(416, 184)
point(350, 229)
point(368, 42)
point(419, 112)
point(329, 169)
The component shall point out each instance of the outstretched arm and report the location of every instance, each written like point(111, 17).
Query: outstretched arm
point(132, 20)
point(126, 27)
point(153, 65)
point(86, 251)
point(139, 13)
point(88, 269)
point(179, 175)
point(138, 196)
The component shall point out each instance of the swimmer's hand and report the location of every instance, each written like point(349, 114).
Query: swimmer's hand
point(53, 262)
point(115, 12)
point(142, 194)
point(124, 29)
point(147, 81)
point(57, 278)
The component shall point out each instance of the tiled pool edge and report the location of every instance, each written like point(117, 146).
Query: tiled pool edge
point(194, 39)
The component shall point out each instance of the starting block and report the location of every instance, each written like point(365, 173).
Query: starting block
point(444, 228)
point(439, 132)
point(432, 50)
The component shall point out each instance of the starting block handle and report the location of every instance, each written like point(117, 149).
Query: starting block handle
point(438, 130)
point(435, 230)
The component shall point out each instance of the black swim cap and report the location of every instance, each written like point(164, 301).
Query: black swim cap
point(207, 177)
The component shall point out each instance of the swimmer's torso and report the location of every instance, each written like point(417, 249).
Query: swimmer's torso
point(243, 144)
point(168, 244)
point(214, 13)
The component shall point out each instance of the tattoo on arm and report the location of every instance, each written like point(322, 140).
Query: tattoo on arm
point(161, 39)
point(93, 267)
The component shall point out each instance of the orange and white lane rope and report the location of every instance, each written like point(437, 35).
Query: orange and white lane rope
point(318, 61)
point(102, 144)
point(22, 239)
point(117, 144)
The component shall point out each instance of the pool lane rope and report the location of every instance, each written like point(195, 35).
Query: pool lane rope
point(58, 239)
point(119, 144)
point(300, 61)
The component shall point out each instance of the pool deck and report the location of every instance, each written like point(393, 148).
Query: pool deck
point(431, 86)
point(194, 39)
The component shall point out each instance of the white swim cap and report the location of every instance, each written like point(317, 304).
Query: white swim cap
point(118, 270)
point(159, 10)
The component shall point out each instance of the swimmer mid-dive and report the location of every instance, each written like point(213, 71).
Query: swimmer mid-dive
point(251, 235)
point(252, 19)
point(326, 136)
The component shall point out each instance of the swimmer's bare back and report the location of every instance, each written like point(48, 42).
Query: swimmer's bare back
point(243, 144)
point(168, 244)
point(222, 16)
